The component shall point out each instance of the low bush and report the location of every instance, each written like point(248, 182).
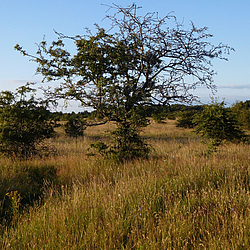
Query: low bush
point(75, 127)
point(219, 124)
point(24, 122)
point(186, 119)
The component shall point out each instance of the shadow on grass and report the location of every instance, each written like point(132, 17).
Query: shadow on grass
point(176, 139)
point(23, 189)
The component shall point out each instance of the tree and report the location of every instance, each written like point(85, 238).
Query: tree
point(217, 124)
point(75, 126)
point(24, 122)
point(186, 119)
point(242, 112)
point(140, 60)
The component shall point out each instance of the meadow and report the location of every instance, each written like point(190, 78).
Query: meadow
point(179, 198)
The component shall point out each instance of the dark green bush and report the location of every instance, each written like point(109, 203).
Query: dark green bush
point(24, 122)
point(127, 144)
point(159, 117)
point(75, 126)
point(218, 123)
point(241, 111)
point(186, 119)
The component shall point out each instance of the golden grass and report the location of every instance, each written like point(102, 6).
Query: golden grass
point(180, 198)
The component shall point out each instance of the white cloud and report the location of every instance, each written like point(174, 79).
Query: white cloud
point(234, 86)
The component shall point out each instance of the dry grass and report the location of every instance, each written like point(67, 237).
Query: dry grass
point(180, 198)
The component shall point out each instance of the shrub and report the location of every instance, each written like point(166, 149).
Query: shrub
point(159, 116)
point(127, 145)
point(186, 119)
point(217, 123)
point(24, 122)
point(241, 111)
point(75, 127)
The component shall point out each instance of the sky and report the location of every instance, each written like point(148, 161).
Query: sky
point(27, 22)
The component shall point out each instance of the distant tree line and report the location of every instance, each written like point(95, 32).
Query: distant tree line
point(183, 114)
point(166, 112)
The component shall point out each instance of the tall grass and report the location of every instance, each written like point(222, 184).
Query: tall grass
point(180, 198)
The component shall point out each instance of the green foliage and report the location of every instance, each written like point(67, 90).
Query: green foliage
point(217, 123)
point(171, 116)
point(144, 62)
point(186, 119)
point(126, 140)
point(128, 144)
point(241, 111)
point(159, 117)
point(24, 122)
point(75, 127)
point(100, 147)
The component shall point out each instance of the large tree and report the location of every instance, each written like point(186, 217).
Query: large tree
point(137, 61)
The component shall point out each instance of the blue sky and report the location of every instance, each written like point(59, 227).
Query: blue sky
point(26, 22)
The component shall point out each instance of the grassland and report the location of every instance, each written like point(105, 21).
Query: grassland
point(179, 198)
